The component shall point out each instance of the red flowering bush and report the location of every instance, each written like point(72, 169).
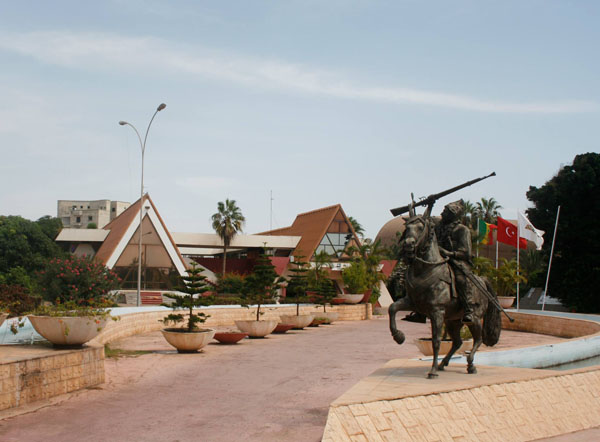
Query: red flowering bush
point(79, 280)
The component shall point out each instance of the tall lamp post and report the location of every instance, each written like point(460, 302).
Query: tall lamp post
point(143, 147)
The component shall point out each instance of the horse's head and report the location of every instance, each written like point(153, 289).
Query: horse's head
point(415, 230)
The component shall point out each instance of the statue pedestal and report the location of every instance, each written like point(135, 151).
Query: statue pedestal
point(397, 402)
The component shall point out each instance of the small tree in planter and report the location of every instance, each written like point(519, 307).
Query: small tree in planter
point(193, 284)
point(193, 287)
point(325, 293)
point(296, 290)
point(298, 282)
point(260, 287)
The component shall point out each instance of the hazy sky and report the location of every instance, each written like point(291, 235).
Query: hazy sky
point(322, 102)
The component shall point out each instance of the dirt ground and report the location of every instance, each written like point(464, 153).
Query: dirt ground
point(273, 389)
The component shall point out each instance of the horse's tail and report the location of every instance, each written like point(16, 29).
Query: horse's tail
point(492, 321)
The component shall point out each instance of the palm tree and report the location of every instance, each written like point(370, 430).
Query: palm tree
point(227, 222)
point(488, 210)
point(470, 210)
point(358, 228)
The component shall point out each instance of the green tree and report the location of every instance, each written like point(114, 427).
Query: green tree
point(260, 287)
point(469, 216)
point(26, 244)
point(370, 255)
point(194, 285)
point(358, 228)
point(488, 210)
point(227, 222)
point(575, 274)
point(50, 226)
point(298, 281)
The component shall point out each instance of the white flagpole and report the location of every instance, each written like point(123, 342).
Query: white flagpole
point(478, 243)
point(518, 254)
point(550, 260)
point(496, 248)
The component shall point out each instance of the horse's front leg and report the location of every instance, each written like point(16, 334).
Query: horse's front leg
point(437, 319)
point(400, 305)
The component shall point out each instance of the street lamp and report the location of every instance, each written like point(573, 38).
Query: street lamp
point(143, 147)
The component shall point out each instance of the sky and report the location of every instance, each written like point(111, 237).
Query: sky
point(317, 103)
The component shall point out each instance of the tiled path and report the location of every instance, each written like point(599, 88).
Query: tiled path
point(276, 389)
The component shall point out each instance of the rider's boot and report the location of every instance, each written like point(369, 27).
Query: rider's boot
point(467, 301)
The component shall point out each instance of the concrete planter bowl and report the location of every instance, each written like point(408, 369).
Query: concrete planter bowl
point(68, 331)
point(426, 347)
point(3, 317)
point(297, 321)
point(229, 338)
point(350, 298)
point(257, 329)
point(332, 316)
point(188, 342)
point(506, 301)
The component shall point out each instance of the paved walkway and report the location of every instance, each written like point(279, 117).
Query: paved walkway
point(274, 389)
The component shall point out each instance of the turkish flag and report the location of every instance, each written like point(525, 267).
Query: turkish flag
point(507, 234)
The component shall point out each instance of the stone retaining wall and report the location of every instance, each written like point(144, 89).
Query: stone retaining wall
point(550, 325)
point(34, 373)
point(146, 322)
point(514, 411)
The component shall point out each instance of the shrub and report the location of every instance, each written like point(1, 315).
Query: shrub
point(16, 300)
point(81, 280)
point(232, 283)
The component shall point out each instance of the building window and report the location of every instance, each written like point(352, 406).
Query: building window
point(78, 219)
point(114, 210)
point(88, 207)
point(90, 218)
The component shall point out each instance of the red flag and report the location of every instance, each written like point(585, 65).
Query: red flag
point(507, 234)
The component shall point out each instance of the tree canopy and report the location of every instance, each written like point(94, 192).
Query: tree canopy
point(26, 245)
point(227, 222)
point(575, 271)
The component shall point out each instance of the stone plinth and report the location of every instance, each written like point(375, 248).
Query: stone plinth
point(33, 373)
point(396, 402)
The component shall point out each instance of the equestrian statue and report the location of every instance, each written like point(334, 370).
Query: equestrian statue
point(439, 282)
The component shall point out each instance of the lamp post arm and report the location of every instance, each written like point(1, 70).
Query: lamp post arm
point(147, 130)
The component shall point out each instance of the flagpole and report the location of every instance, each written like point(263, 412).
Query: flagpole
point(518, 254)
point(550, 260)
point(478, 243)
point(496, 249)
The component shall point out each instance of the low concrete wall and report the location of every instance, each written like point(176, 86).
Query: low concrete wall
point(520, 409)
point(34, 373)
point(145, 322)
point(550, 325)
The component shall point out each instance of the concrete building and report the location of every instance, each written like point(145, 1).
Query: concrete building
point(77, 214)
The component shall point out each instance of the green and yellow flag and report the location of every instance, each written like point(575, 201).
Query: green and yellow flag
point(485, 232)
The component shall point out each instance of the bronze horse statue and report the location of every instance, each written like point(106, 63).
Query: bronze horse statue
point(430, 291)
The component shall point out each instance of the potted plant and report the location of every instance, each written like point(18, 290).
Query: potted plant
point(191, 338)
point(296, 290)
point(504, 279)
point(320, 287)
point(356, 281)
point(369, 256)
point(260, 287)
point(77, 298)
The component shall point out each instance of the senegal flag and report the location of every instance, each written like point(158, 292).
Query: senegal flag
point(485, 232)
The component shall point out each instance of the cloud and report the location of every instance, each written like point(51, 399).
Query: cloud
point(109, 51)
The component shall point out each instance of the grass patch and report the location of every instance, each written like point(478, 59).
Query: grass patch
point(116, 353)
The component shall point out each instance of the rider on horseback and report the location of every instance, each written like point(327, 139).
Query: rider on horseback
point(455, 243)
